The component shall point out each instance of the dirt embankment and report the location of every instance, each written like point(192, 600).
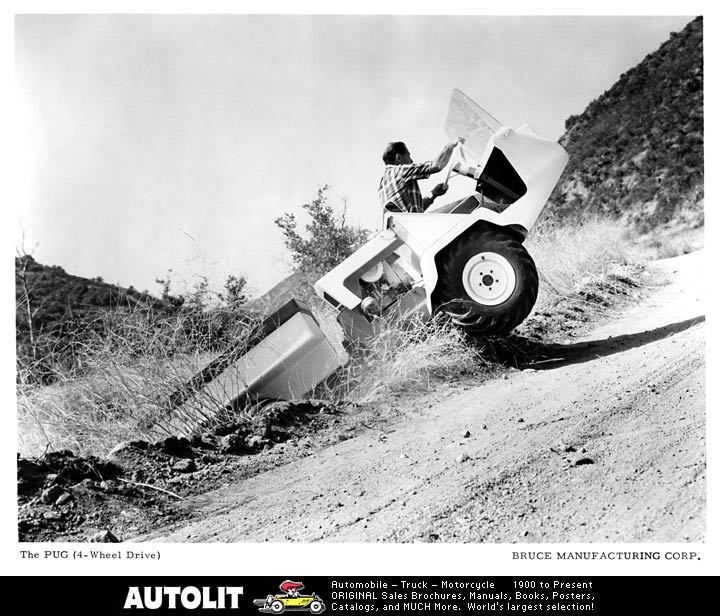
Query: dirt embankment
point(597, 439)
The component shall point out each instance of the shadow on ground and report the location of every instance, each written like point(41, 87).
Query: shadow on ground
point(520, 352)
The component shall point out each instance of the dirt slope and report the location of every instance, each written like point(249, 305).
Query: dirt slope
point(602, 441)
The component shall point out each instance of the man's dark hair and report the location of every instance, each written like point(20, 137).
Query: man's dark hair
point(392, 150)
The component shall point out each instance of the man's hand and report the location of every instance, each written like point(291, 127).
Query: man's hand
point(443, 158)
point(439, 190)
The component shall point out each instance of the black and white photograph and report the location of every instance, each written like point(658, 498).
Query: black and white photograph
point(360, 278)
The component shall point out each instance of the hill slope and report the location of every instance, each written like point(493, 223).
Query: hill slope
point(57, 298)
point(637, 150)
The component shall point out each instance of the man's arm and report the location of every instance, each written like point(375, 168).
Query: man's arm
point(443, 158)
point(440, 161)
point(437, 191)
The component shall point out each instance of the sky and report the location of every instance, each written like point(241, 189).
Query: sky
point(172, 142)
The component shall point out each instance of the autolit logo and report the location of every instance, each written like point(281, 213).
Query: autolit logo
point(187, 597)
point(289, 599)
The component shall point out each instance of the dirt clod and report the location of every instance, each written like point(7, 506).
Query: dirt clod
point(64, 498)
point(104, 536)
point(51, 494)
point(233, 443)
point(174, 446)
point(184, 466)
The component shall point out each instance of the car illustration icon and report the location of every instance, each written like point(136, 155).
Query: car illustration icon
point(290, 599)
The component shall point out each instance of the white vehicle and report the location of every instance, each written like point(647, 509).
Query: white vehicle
point(466, 258)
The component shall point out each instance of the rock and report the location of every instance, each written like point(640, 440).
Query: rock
point(104, 536)
point(51, 478)
point(197, 441)
point(64, 498)
point(222, 430)
point(521, 420)
point(31, 477)
point(467, 434)
point(184, 466)
point(88, 484)
point(51, 494)
point(233, 443)
point(127, 446)
point(583, 461)
point(174, 446)
point(569, 449)
point(53, 515)
point(463, 457)
point(254, 441)
point(107, 486)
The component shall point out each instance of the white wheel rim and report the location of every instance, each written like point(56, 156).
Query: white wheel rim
point(488, 278)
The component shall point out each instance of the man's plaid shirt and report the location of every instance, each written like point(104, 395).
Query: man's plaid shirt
point(399, 187)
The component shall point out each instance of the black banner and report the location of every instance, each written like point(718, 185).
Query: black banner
point(361, 595)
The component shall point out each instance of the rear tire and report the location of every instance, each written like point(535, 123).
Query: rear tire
point(487, 283)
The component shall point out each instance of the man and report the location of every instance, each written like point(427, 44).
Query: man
point(399, 190)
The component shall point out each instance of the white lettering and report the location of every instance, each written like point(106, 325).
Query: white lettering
point(133, 598)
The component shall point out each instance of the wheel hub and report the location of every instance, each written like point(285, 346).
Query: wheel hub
point(489, 278)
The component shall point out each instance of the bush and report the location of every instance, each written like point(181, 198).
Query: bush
point(329, 240)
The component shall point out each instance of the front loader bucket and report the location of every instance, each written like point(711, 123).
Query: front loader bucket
point(287, 357)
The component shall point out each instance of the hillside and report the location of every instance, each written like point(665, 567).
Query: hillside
point(57, 299)
point(57, 296)
point(637, 150)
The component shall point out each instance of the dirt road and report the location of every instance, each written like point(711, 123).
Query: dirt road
point(603, 441)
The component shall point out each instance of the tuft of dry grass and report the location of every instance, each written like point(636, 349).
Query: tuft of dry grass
point(568, 256)
point(415, 355)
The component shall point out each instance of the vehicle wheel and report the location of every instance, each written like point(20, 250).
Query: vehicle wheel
point(487, 283)
point(277, 607)
point(316, 607)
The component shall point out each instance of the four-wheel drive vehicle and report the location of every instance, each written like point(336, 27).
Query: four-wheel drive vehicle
point(466, 258)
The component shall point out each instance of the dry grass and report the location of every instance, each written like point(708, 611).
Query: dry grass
point(414, 356)
point(663, 244)
point(567, 257)
point(117, 381)
point(122, 375)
